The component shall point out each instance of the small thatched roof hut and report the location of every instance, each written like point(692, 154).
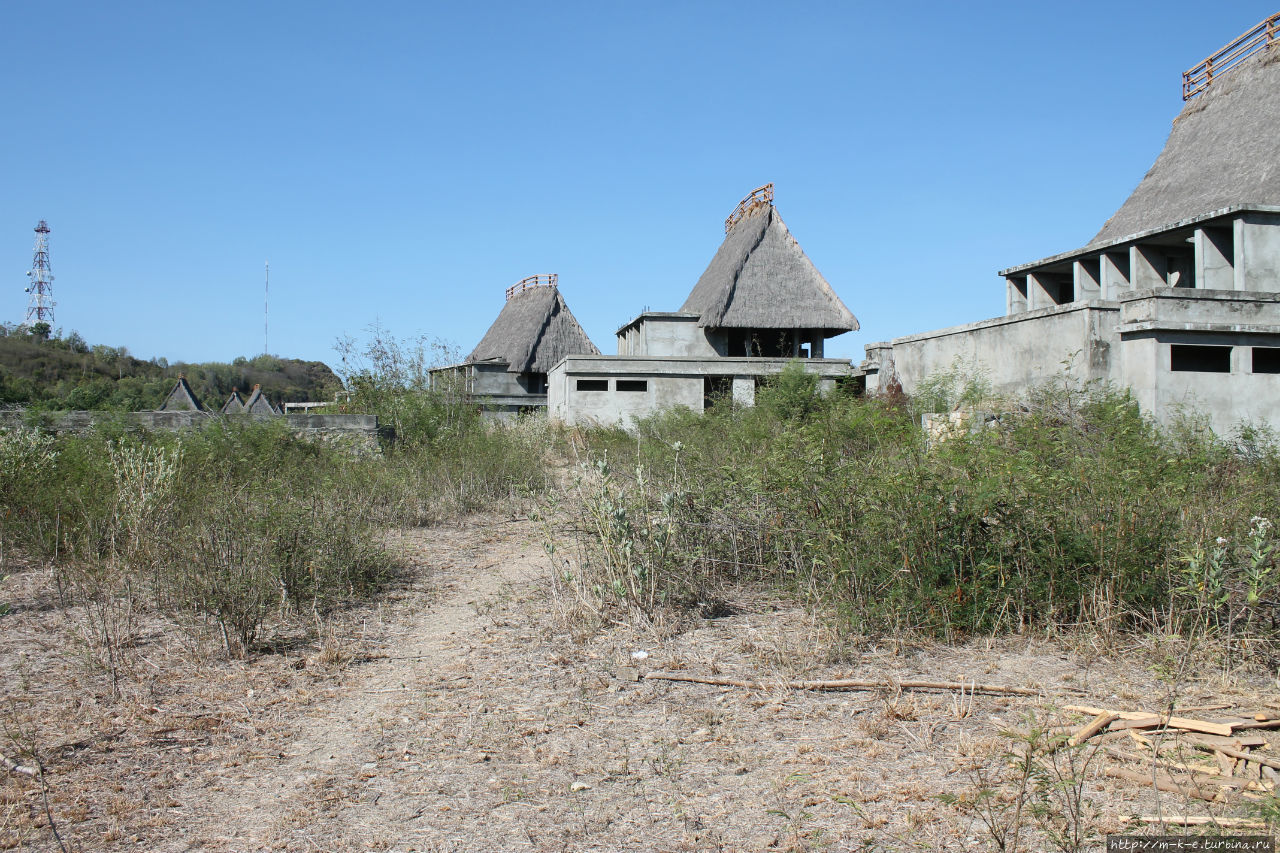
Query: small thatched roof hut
point(761, 279)
point(181, 398)
point(1224, 150)
point(234, 404)
point(534, 330)
point(258, 404)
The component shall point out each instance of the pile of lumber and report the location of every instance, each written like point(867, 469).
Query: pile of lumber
point(1217, 760)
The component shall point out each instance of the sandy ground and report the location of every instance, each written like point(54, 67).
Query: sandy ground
point(465, 712)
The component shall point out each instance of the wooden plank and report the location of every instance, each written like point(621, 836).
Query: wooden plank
point(1172, 722)
point(1100, 722)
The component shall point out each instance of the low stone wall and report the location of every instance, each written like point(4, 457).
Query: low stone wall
point(357, 434)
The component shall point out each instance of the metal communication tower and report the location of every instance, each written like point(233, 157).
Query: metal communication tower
point(40, 305)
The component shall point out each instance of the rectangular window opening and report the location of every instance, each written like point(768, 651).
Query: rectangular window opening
point(633, 385)
point(592, 385)
point(1266, 359)
point(1196, 358)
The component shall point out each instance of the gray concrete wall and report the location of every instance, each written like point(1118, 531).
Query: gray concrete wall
point(1257, 252)
point(1012, 352)
point(671, 382)
point(655, 334)
point(357, 433)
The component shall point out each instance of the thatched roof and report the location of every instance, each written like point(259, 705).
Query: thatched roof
point(534, 330)
point(258, 404)
point(234, 404)
point(181, 399)
point(761, 279)
point(1224, 150)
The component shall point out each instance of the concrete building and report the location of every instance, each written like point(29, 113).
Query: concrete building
point(1177, 297)
point(760, 303)
point(507, 371)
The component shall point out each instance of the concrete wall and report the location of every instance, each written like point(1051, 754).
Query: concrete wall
point(670, 382)
point(1012, 352)
point(665, 334)
point(356, 433)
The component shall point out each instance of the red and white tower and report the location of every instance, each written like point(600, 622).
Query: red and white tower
point(40, 305)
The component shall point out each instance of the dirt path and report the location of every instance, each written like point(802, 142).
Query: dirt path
point(462, 713)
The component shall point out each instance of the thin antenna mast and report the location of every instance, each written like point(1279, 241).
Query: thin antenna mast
point(266, 305)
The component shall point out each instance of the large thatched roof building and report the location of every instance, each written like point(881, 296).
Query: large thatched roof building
point(1177, 297)
point(507, 371)
point(181, 398)
point(759, 304)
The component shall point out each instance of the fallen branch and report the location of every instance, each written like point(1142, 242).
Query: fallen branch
point(1162, 783)
point(845, 684)
point(1198, 820)
point(1242, 755)
point(14, 767)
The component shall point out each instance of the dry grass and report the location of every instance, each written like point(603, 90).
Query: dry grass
point(463, 713)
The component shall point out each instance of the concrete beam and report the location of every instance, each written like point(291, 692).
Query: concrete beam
point(1113, 274)
point(1148, 267)
point(1015, 295)
point(1215, 258)
point(1085, 274)
point(1257, 253)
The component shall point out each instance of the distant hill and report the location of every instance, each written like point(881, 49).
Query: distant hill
point(67, 373)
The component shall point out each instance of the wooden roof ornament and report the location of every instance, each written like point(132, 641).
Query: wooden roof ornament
point(534, 330)
point(760, 278)
point(1223, 150)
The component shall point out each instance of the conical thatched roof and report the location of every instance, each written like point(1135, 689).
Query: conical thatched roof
point(234, 404)
point(181, 398)
point(1224, 150)
point(258, 404)
point(534, 330)
point(761, 279)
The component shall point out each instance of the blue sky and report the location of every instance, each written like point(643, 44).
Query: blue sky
point(405, 162)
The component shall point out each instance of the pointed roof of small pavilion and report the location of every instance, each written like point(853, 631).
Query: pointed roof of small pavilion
point(258, 404)
point(534, 330)
point(234, 404)
point(761, 279)
point(181, 398)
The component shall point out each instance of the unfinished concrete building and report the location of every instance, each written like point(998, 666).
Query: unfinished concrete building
point(1177, 297)
point(760, 303)
point(507, 371)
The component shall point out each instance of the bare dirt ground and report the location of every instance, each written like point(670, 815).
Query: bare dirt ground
point(463, 713)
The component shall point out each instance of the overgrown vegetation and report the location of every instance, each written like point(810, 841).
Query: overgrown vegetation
point(40, 369)
point(1074, 508)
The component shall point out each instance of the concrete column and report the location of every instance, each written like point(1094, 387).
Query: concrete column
point(1147, 267)
point(1215, 258)
point(1039, 293)
point(816, 348)
point(1113, 273)
point(795, 343)
point(1016, 295)
point(1257, 253)
point(743, 391)
point(1085, 275)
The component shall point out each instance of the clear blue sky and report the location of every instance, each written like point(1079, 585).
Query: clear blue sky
point(405, 162)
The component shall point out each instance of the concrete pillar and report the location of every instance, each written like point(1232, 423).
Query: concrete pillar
point(795, 343)
point(1040, 293)
point(1257, 253)
point(1113, 274)
point(1147, 267)
point(743, 391)
point(1085, 275)
point(1016, 295)
point(1215, 258)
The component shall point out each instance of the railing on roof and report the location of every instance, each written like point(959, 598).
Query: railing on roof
point(545, 280)
point(1197, 79)
point(760, 197)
